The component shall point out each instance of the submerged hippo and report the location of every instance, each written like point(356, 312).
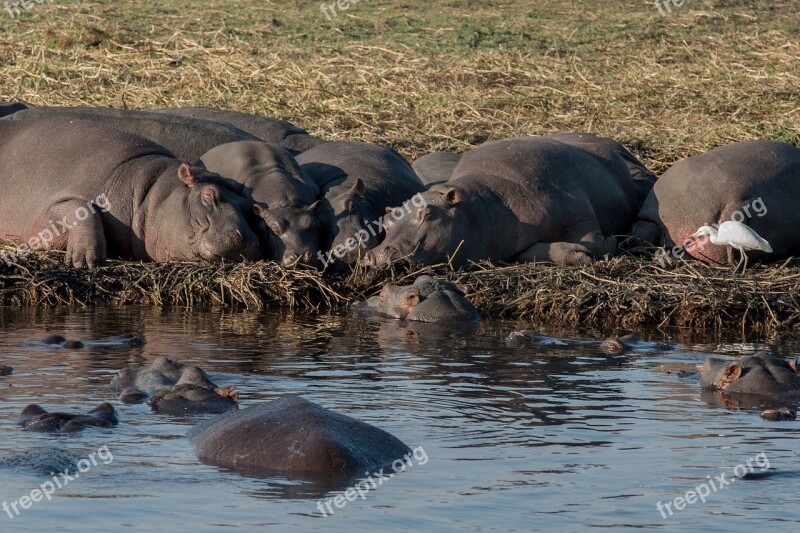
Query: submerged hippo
point(268, 129)
point(63, 342)
point(44, 461)
point(436, 167)
point(294, 436)
point(6, 370)
point(187, 138)
point(286, 199)
point(34, 418)
point(124, 197)
point(752, 182)
point(757, 375)
point(173, 388)
point(426, 300)
point(359, 182)
point(11, 108)
point(521, 199)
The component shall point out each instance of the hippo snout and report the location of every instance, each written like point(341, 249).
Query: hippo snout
point(305, 258)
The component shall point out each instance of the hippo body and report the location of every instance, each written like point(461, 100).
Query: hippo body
point(268, 129)
point(34, 418)
point(358, 182)
point(286, 196)
point(426, 300)
point(11, 108)
point(173, 388)
point(125, 197)
point(436, 167)
point(753, 182)
point(521, 199)
point(757, 375)
point(292, 435)
point(44, 461)
point(185, 137)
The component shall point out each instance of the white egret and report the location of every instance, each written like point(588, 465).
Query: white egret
point(736, 235)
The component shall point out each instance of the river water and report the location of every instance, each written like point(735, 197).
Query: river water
point(554, 436)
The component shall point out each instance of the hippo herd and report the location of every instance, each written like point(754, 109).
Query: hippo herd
point(212, 185)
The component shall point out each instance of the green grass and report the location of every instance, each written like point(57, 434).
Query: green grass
point(422, 75)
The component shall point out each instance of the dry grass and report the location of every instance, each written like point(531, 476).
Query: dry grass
point(424, 76)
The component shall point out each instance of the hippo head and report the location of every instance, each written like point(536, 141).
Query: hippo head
point(354, 233)
point(292, 232)
point(429, 231)
point(205, 220)
point(758, 374)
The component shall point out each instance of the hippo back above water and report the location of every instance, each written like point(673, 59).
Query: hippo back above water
point(124, 197)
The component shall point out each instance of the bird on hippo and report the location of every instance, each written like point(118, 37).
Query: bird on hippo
point(358, 182)
point(293, 436)
point(426, 300)
point(559, 199)
point(286, 199)
point(268, 129)
point(736, 185)
point(124, 197)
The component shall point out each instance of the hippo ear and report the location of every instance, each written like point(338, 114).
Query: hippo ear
point(315, 207)
point(187, 176)
point(731, 373)
point(412, 299)
point(389, 210)
point(793, 364)
point(358, 187)
point(209, 195)
point(259, 210)
point(452, 197)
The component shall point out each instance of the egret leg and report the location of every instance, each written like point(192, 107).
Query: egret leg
point(744, 256)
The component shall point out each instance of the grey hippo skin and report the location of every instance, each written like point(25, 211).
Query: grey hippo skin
point(757, 179)
point(6, 370)
point(173, 388)
point(34, 418)
point(286, 198)
point(46, 461)
point(426, 300)
point(11, 108)
point(187, 138)
point(359, 182)
point(436, 167)
point(268, 129)
point(124, 197)
point(759, 374)
point(521, 199)
point(294, 436)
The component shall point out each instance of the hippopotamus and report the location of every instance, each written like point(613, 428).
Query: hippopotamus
point(521, 199)
point(35, 418)
point(6, 370)
point(175, 388)
point(286, 198)
point(124, 197)
point(436, 167)
point(271, 130)
point(759, 374)
point(426, 300)
point(63, 342)
point(187, 138)
point(294, 436)
point(45, 461)
point(742, 181)
point(359, 182)
point(11, 108)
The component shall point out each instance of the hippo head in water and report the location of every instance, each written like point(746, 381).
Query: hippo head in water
point(759, 374)
point(203, 219)
point(426, 300)
point(429, 231)
point(292, 232)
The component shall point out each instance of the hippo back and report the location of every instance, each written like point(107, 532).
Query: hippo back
point(11, 108)
point(436, 167)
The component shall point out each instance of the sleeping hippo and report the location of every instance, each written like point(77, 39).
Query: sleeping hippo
point(359, 182)
point(286, 199)
point(436, 167)
point(173, 388)
point(292, 435)
point(268, 129)
point(124, 197)
point(186, 138)
point(11, 108)
point(522, 199)
point(34, 418)
point(742, 182)
point(426, 300)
